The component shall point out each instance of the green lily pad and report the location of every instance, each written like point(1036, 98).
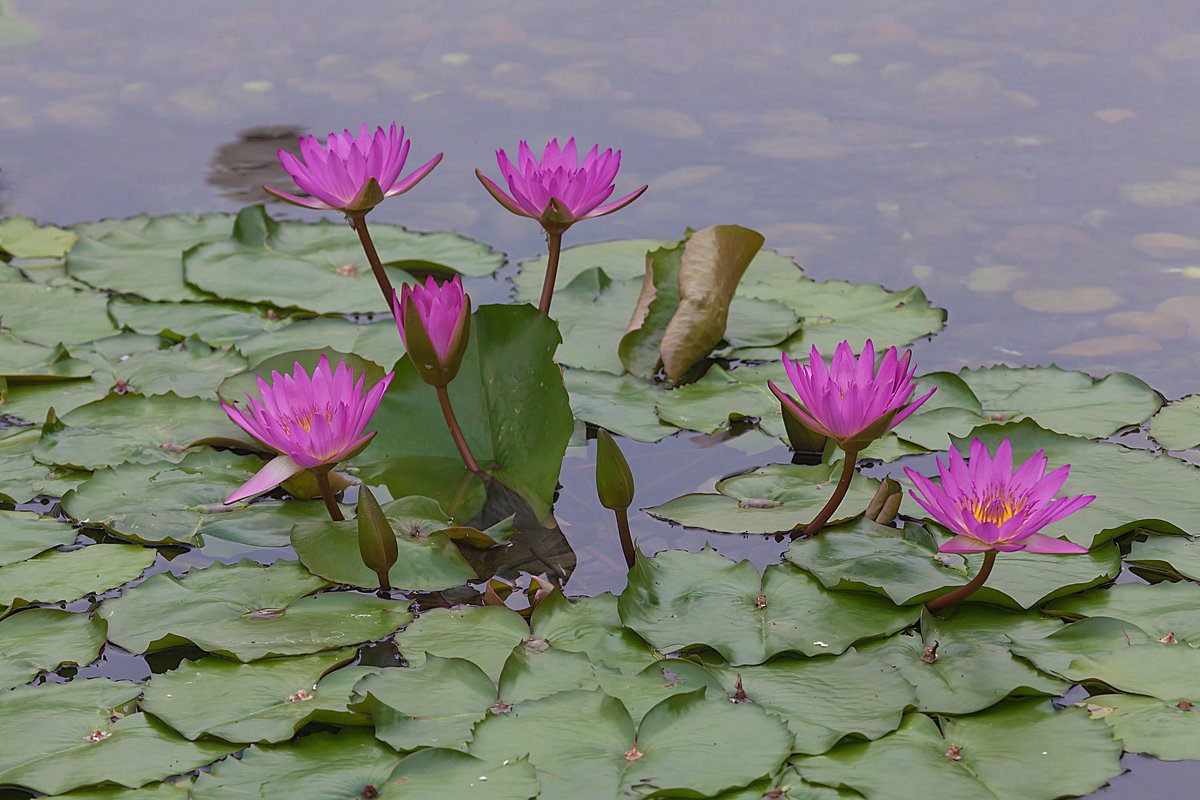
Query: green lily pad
point(58, 737)
point(27, 361)
point(23, 535)
point(1177, 426)
point(508, 398)
point(1071, 403)
point(247, 611)
point(620, 260)
point(719, 398)
point(327, 766)
point(321, 267)
point(22, 478)
point(684, 743)
point(592, 312)
point(134, 429)
point(181, 503)
point(143, 255)
point(591, 625)
point(378, 342)
point(21, 237)
point(35, 312)
point(907, 567)
point(837, 311)
point(777, 497)
point(623, 404)
point(265, 701)
point(1178, 554)
point(1147, 725)
point(32, 401)
point(823, 700)
point(1118, 654)
point(218, 324)
point(1133, 488)
point(428, 560)
point(167, 790)
point(973, 668)
point(483, 635)
point(1160, 610)
point(40, 639)
point(678, 599)
point(59, 576)
point(188, 369)
point(1019, 751)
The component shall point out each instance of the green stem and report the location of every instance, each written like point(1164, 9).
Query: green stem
point(626, 540)
point(838, 494)
point(331, 505)
point(455, 431)
point(359, 223)
point(968, 589)
point(385, 585)
point(554, 243)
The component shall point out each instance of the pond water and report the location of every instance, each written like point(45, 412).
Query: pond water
point(1032, 166)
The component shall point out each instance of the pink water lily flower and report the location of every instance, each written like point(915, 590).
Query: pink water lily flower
point(558, 190)
point(349, 174)
point(312, 423)
point(850, 401)
point(990, 507)
point(435, 325)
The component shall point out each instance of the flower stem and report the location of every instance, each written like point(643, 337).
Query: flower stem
point(331, 505)
point(626, 540)
point(554, 244)
point(968, 589)
point(359, 223)
point(455, 431)
point(836, 499)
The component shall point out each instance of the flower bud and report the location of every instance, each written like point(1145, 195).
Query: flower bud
point(614, 481)
point(435, 325)
point(376, 540)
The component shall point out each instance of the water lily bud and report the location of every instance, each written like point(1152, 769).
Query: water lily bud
point(614, 481)
point(886, 503)
point(435, 325)
point(376, 540)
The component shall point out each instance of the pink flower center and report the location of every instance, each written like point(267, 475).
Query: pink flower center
point(995, 506)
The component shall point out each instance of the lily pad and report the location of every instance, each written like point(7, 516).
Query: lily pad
point(1117, 654)
point(1133, 488)
point(591, 625)
point(678, 600)
point(483, 635)
point(1161, 610)
point(777, 497)
point(907, 567)
point(321, 267)
point(428, 560)
point(188, 369)
point(31, 401)
point(685, 743)
point(1147, 725)
point(1178, 554)
point(35, 312)
point(1019, 751)
point(59, 576)
point(218, 324)
point(265, 701)
point(508, 398)
point(378, 342)
point(823, 700)
point(623, 404)
point(22, 478)
point(23, 535)
point(40, 639)
point(130, 428)
point(27, 361)
point(720, 398)
point(971, 667)
point(1177, 426)
point(58, 737)
point(181, 503)
point(21, 237)
point(143, 255)
point(341, 766)
point(247, 611)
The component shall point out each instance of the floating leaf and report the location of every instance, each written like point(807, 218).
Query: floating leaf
point(24, 535)
point(23, 478)
point(1174, 553)
point(623, 404)
point(591, 625)
point(1147, 725)
point(777, 497)
point(143, 255)
point(58, 576)
point(378, 342)
point(35, 312)
point(1177, 426)
point(428, 560)
point(320, 267)
point(483, 635)
point(1020, 751)
point(720, 398)
point(218, 324)
point(188, 369)
point(1161, 610)
point(21, 237)
point(60, 736)
point(678, 600)
point(27, 361)
point(247, 611)
point(40, 639)
point(265, 701)
point(181, 503)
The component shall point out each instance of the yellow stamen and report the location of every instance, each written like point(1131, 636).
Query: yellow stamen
point(995, 506)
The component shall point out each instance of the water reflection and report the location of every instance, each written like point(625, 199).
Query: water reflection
point(239, 168)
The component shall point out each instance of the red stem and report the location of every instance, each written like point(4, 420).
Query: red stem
point(331, 505)
point(626, 540)
point(455, 431)
point(838, 494)
point(967, 589)
point(359, 223)
point(554, 243)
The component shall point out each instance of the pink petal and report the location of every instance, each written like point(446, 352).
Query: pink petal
point(276, 471)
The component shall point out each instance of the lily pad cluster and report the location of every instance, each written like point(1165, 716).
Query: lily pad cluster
point(166, 645)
